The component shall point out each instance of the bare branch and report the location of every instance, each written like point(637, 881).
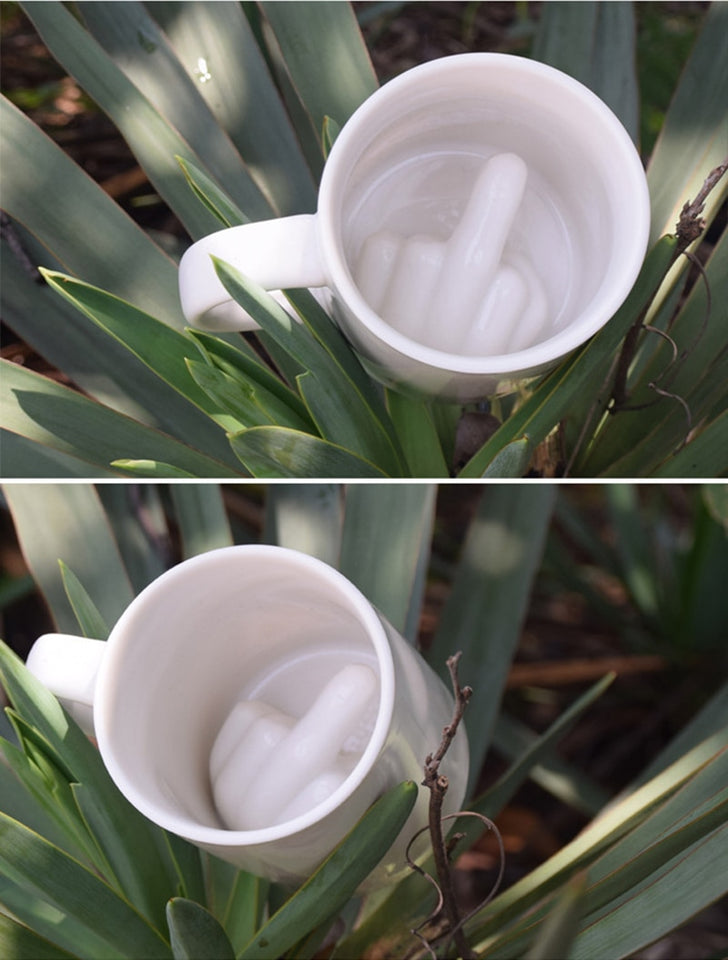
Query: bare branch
point(462, 695)
point(434, 936)
point(437, 784)
point(688, 228)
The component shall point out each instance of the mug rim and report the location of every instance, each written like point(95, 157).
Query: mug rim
point(534, 357)
point(185, 826)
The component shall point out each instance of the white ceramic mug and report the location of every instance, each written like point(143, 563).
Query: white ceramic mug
point(252, 701)
point(479, 217)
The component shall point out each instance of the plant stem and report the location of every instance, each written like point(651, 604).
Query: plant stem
point(689, 227)
point(437, 784)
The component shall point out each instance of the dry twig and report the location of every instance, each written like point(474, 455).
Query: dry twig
point(689, 227)
point(437, 783)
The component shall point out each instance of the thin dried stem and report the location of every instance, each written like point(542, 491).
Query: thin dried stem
point(684, 404)
point(501, 868)
point(436, 935)
point(437, 784)
point(689, 227)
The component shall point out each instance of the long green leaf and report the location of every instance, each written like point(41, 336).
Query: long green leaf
point(136, 44)
point(237, 899)
point(698, 327)
point(21, 458)
point(338, 877)
point(690, 883)
point(121, 258)
point(151, 469)
point(692, 142)
point(696, 808)
point(286, 365)
point(53, 415)
point(230, 396)
point(336, 404)
point(152, 138)
point(22, 943)
point(487, 606)
point(639, 861)
point(694, 137)
point(328, 335)
point(90, 621)
point(66, 522)
point(250, 403)
point(27, 796)
point(279, 453)
point(325, 55)
point(147, 879)
point(44, 920)
point(162, 349)
point(703, 457)
point(143, 889)
point(201, 516)
point(195, 933)
point(562, 925)
point(511, 461)
point(595, 44)
point(416, 429)
point(137, 519)
point(219, 51)
point(348, 426)
point(386, 547)
point(101, 366)
point(616, 822)
point(212, 195)
point(187, 861)
point(306, 517)
point(49, 872)
point(633, 548)
point(47, 783)
point(241, 363)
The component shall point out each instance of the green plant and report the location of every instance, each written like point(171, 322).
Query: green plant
point(669, 565)
point(229, 109)
point(82, 874)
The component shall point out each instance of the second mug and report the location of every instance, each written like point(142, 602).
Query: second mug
point(252, 701)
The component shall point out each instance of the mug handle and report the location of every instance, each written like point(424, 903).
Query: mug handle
point(68, 667)
point(276, 254)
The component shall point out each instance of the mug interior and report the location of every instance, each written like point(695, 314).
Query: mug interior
point(408, 162)
point(235, 624)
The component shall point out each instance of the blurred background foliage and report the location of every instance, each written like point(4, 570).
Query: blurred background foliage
point(546, 590)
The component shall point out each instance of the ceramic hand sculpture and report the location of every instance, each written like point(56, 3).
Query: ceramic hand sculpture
point(266, 767)
point(470, 294)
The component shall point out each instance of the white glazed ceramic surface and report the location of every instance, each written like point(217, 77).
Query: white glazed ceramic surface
point(255, 624)
point(541, 264)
